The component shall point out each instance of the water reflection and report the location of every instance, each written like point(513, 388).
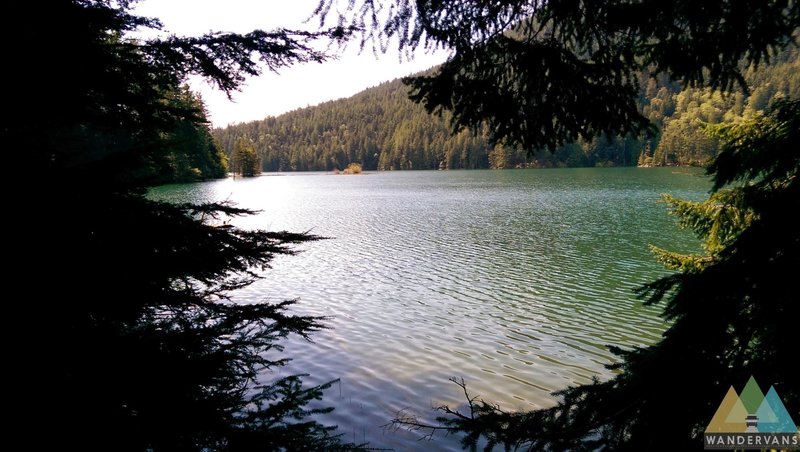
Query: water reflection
point(514, 280)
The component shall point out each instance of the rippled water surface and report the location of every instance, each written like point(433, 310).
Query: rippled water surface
point(514, 280)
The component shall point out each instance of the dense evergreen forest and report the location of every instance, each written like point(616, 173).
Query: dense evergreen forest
point(189, 151)
point(382, 129)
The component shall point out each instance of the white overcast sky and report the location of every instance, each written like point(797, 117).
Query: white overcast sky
point(295, 87)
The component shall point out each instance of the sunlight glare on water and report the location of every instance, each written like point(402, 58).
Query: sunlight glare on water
point(514, 280)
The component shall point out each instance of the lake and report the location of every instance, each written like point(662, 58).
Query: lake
point(513, 280)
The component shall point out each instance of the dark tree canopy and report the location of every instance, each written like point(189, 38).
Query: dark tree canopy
point(121, 317)
point(95, 85)
point(542, 73)
point(191, 153)
point(733, 312)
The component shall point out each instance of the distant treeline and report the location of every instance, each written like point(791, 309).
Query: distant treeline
point(380, 128)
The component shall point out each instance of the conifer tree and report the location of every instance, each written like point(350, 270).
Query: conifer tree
point(543, 73)
point(128, 338)
point(245, 159)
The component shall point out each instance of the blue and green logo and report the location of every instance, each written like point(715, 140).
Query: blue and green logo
point(751, 420)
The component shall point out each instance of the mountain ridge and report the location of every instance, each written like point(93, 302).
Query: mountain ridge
point(381, 129)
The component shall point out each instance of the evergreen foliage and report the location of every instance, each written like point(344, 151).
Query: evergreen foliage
point(382, 129)
point(732, 310)
point(190, 152)
point(544, 73)
point(129, 341)
point(540, 74)
point(378, 128)
point(245, 159)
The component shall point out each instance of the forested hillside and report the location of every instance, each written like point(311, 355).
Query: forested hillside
point(382, 129)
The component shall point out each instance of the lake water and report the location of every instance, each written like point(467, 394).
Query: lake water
point(513, 280)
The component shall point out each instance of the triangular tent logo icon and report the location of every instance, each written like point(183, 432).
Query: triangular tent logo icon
point(730, 416)
point(772, 415)
point(751, 396)
point(751, 418)
point(751, 412)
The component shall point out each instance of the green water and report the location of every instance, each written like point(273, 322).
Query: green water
point(514, 280)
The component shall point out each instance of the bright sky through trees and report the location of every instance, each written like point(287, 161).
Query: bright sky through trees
point(296, 87)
